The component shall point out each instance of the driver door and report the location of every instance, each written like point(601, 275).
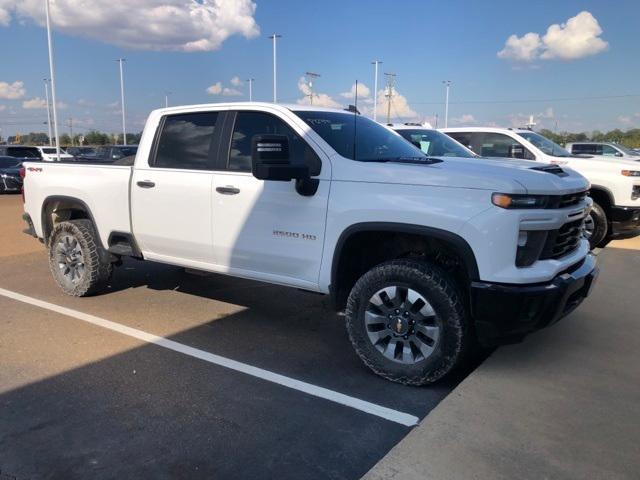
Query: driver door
point(265, 229)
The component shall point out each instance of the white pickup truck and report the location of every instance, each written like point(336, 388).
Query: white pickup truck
point(426, 255)
point(615, 182)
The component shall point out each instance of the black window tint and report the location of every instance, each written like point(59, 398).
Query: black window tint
point(185, 141)
point(503, 146)
point(23, 152)
point(249, 124)
point(463, 138)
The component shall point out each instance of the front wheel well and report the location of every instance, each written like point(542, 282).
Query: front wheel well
point(359, 251)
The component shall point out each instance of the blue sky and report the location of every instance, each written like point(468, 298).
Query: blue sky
point(422, 42)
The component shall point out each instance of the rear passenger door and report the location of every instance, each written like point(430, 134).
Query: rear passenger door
point(171, 196)
point(265, 229)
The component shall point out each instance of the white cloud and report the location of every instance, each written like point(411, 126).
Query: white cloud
point(464, 119)
point(624, 119)
point(231, 92)
point(215, 89)
point(177, 25)
point(543, 119)
point(363, 92)
point(521, 49)
point(236, 82)
point(319, 99)
point(579, 37)
point(34, 103)
point(400, 109)
point(12, 91)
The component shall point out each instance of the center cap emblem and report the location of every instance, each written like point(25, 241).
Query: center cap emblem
point(399, 325)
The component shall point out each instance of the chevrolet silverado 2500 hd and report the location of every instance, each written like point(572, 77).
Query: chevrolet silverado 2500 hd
point(426, 255)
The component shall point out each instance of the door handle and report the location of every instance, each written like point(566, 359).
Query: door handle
point(228, 190)
point(145, 184)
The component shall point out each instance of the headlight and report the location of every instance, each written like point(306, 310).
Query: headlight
point(631, 173)
point(505, 200)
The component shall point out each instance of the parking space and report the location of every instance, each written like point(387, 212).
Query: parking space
point(80, 396)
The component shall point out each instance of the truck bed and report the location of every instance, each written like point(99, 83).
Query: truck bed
point(103, 188)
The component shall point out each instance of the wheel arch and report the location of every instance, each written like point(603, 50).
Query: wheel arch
point(453, 242)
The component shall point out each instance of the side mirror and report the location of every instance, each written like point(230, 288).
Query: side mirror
point(516, 151)
point(618, 154)
point(270, 160)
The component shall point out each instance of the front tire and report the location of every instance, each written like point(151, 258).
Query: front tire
point(75, 260)
point(596, 226)
point(407, 322)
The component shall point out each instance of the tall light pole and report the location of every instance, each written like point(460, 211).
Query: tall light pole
point(53, 80)
point(166, 99)
point(275, 37)
point(46, 95)
point(375, 90)
point(250, 80)
point(310, 79)
point(391, 81)
point(124, 125)
point(447, 84)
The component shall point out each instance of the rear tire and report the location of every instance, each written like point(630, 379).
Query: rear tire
point(407, 322)
point(75, 260)
point(597, 226)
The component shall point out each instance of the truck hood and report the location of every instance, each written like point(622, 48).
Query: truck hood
point(505, 176)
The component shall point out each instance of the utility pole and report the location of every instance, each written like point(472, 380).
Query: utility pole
point(53, 80)
point(250, 80)
point(46, 94)
point(124, 127)
point(436, 127)
point(391, 81)
point(310, 78)
point(375, 90)
point(447, 84)
point(166, 99)
point(71, 129)
point(275, 37)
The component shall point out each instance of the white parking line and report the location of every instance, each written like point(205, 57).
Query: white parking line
point(325, 393)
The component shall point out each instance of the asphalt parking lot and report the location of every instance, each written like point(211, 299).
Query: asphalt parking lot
point(94, 392)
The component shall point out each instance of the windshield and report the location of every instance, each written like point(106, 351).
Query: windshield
point(373, 142)
point(627, 150)
point(543, 143)
point(8, 162)
point(434, 143)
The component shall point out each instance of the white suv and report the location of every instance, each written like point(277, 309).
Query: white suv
point(615, 182)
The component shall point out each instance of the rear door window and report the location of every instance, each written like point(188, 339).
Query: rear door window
point(23, 152)
point(186, 141)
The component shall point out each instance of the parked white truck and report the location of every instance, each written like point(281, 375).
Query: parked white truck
point(425, 254)
point(615, 182)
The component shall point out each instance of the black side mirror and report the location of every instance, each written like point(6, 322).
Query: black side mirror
point(270, 160)
point(516, 151)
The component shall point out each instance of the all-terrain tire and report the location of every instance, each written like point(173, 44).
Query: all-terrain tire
point(600, 226)
point(439, 290)
point(96, 272)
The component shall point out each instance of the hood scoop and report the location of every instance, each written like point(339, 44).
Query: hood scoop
point(554, 169)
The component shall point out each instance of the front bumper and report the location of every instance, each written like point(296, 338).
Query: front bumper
point(506, 313)
point(625, 222)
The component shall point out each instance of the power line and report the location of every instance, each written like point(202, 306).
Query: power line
point(533, 100)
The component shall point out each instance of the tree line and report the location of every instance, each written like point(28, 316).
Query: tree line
point(92, 137)
point(629, 138)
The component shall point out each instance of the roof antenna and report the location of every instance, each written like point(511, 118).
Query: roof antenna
point(355, 120)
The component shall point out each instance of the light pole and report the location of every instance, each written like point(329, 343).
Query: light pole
point(310, 79)
point(124, 127)
point(53, 80)
point(46, 95)
point(275, 37)
point(447, 84)
point(375, 90)
point(166, 99)
point(250, 80)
